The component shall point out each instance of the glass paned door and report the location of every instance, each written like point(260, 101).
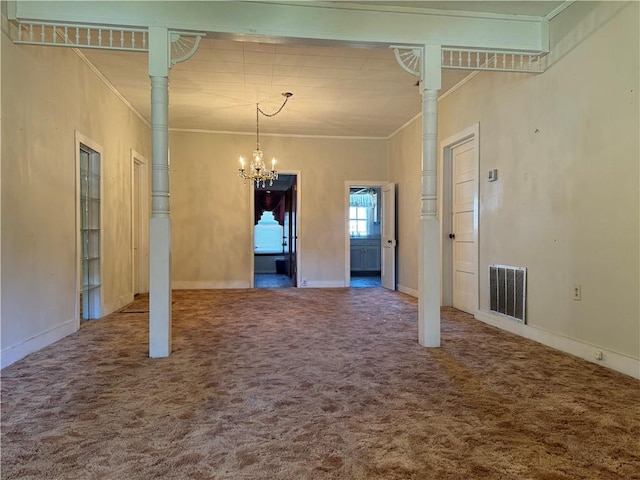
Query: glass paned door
point(90, 232)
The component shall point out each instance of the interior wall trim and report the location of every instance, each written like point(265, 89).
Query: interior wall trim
point(324, 284)
point(610, 359)
point(209, 285)
point(262, 134)
point(406, 124)
point(408, 290)
point(117, 304)
point(559, 9)
point(452, 90)
point(111, 87)
point(20, 350)
point(458, 85)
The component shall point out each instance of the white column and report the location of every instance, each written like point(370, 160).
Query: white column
point(160, 223)
point(429, 263)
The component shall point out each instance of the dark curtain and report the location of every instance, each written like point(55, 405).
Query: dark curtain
point(269, 201)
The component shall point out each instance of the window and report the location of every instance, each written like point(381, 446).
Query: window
point(359, 221)
point(363, 212)
point(268, 235)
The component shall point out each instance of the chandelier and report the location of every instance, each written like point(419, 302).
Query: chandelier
point(258, 173)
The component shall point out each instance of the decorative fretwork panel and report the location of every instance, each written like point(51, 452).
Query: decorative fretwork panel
point(82, 36)
point(494, 60)
point(183, 44)
point(410, 59)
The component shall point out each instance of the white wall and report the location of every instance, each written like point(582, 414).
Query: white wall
point(49, 94)
point(210, 206)
point(405, 157)
point(566, 204)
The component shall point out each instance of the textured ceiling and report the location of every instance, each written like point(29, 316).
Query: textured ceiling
point(338, 91)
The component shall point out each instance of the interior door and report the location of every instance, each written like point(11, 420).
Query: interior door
point(140, 215)
point(463, 203)
point(389, 236)
point(135, 210)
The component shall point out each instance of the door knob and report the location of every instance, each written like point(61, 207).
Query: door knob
point(452, 235)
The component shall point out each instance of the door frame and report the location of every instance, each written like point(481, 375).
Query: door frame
point(252, 209)
point(445, 206)
point(348, 184)
point(139, 161)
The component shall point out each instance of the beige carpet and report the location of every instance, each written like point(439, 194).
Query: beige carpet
point(312, 384)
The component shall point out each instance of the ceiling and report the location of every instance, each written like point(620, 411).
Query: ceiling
point(532, 8)
point(337, 91)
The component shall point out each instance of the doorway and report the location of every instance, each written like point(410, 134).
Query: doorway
point(460, 157)
point(275, 233)
point(370, 235)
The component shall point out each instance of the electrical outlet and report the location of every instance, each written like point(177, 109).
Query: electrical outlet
point(304, 282)
point(599, 355)
point(577, 291)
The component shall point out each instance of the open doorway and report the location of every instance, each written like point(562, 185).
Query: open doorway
point(275, 239)
point(370, 235)
point(365, 263)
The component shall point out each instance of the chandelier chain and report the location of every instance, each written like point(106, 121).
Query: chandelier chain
point(257, 127)
point(286, 95)
point(259, 110)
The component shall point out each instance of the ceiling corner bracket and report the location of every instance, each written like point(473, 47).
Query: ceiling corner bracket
point(409, 58)
point(184, 45)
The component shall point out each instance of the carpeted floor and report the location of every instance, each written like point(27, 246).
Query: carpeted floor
point(312, 384)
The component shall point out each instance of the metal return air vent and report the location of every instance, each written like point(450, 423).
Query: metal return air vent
point(508, 291)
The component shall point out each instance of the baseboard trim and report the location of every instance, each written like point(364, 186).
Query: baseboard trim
point(409, 291)
point(613, 360)
point(20, 350)
point(188, 285)
point(111, 307)
point(324, 284)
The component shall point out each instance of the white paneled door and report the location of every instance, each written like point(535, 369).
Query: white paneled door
point(389, 236)
point(140, 226)
point(463, 235)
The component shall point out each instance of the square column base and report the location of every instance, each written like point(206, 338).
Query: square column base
point(160, 287)
point(429, 283)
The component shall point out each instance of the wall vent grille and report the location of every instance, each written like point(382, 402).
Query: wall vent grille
point(508, 291)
